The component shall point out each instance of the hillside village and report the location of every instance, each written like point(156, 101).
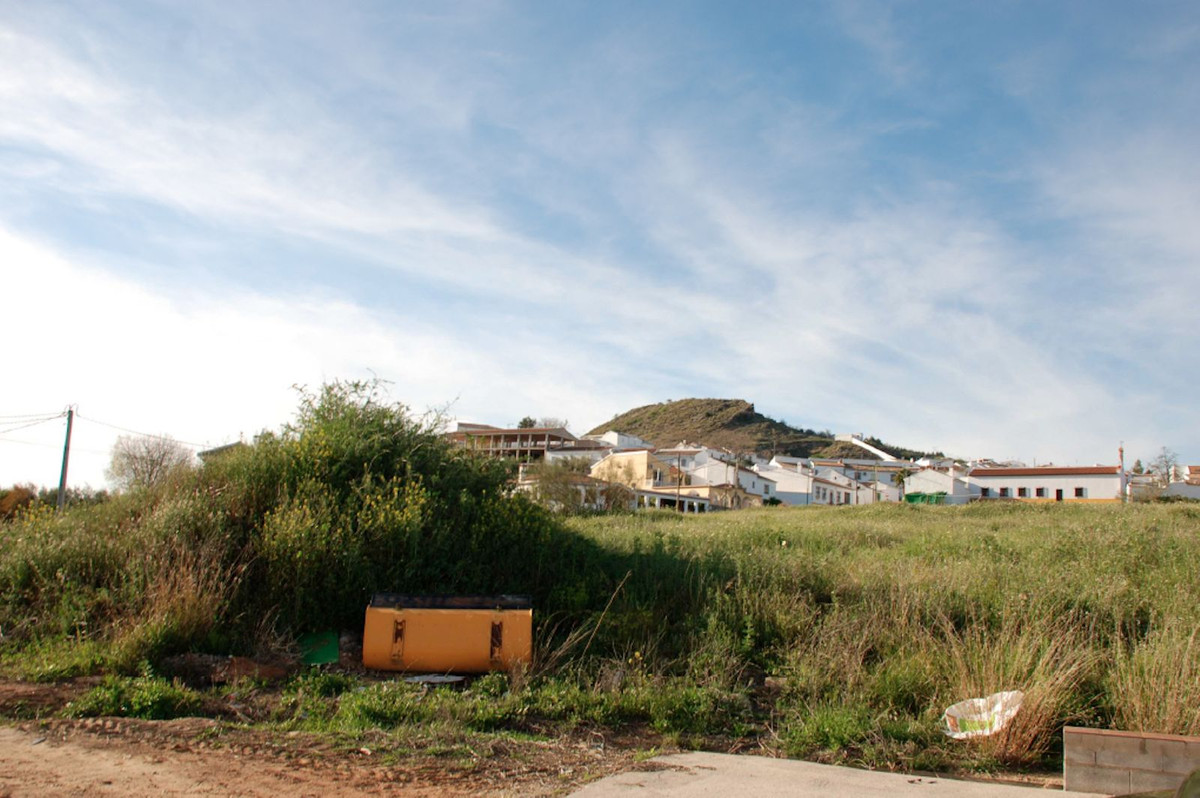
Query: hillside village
point(613, 469)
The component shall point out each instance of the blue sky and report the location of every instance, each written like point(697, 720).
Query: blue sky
point(963, 226)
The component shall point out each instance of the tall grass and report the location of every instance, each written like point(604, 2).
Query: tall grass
point(1155, 685)
point(869, 621)
point(877, 618)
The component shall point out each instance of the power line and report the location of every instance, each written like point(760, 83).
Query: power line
point(30, 443)
point(137, 432)
point(30, 424)
point(42, 445)
point(19, 416)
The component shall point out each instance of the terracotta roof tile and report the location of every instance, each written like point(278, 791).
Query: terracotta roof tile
point(1046, 471)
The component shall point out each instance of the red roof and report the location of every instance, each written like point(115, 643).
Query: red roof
point(1046, 471)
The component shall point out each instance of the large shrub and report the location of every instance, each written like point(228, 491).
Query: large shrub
point(291, 533)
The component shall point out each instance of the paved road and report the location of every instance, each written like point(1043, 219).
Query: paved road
point(728, 776)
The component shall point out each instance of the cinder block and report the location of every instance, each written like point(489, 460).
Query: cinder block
point(1118, 758)
point(1081, 739)
point(1181, 765)
point(1117, 743)
point(1145, 781)
point(1117, 762)
point(1102, 780)
point(1078, 755)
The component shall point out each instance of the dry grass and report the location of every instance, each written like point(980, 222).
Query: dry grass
point(1155, 684)
point(1049, 659)
point(186, 590)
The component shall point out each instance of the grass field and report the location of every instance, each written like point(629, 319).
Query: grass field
point(875, 619)
point(839, 634)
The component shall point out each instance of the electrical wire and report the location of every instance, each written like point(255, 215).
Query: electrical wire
point(82, 417)
point(32, 443)
point(23, 416)
point(27, 426)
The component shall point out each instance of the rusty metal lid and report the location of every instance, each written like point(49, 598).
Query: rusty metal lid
point(404, 601)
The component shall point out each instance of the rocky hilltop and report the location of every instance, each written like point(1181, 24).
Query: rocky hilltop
point(735, 425)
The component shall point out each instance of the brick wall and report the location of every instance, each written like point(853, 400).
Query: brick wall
point(1119, 763)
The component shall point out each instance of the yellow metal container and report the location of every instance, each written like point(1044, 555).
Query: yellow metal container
point(447, 634)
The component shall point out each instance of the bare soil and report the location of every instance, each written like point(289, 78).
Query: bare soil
point(44, 754)
point(202, 756)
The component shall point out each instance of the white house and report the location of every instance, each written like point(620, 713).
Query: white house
point(619, 440)
point(1049, 483)
point(709, 467)
point(936, 480)
point(829, 491)
point(1188, 487)
point(886, 491)
point(793, 485)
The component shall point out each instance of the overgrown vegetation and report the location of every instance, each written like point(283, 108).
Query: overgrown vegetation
point(834, 633)
point(291, 534)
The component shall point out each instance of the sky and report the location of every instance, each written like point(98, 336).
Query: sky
point(966, 227)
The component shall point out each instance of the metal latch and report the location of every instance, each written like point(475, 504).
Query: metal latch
point(497, 640)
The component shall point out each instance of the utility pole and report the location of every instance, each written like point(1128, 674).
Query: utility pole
point(62, 477)
point(1124, 488)
point(678, 479)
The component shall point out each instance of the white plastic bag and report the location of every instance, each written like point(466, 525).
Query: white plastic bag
point(980, 717)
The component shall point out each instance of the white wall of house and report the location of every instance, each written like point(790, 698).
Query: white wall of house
point(929, 480)
point(1047, 486)
point(826, 491)
point(834, 475)
point(592, 456)
point(619, 440)
point(864, 494)
point(687, 458)
point(711, 471)
point(791, 487)
point(1188, 490)
point(886, 491)
point(753, 482)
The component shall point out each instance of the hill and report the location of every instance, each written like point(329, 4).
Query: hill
point(735, 425)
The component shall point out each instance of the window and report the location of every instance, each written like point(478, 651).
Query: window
point(1022, 493)
point(766, 490)
point(1004, 493)
point(1079, 493)
point(1041, 493)
point(985, 492)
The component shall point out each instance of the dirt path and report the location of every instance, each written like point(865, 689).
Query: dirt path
point(82, 763)
point(48, 755)
point(198, 757)
point(32, 763)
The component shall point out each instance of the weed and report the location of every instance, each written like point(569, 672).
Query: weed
point(1155, 684)
point(146, 697)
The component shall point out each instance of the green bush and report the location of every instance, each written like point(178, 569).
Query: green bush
point(295, 531)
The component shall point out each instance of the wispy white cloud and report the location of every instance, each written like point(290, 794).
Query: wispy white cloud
point(872, 24)
point(210, 364)
point(570, 222)
point(296, 168)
